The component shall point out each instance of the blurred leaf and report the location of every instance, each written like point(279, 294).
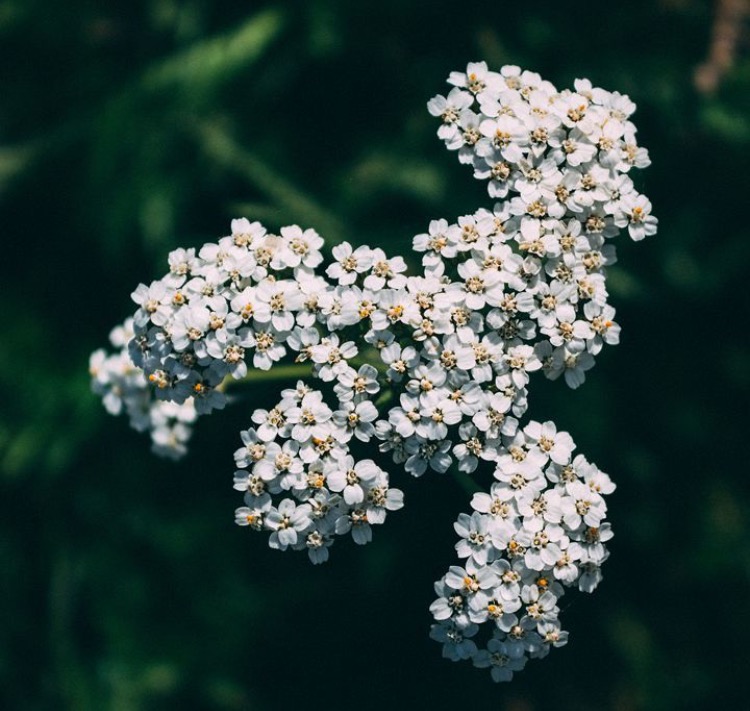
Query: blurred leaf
point(207, 64)
point(726, 123)
point(13, 160)
point(298, 206)
point(139, 130)
point(402, 174)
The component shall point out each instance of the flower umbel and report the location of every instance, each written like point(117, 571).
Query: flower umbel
point(431, 369)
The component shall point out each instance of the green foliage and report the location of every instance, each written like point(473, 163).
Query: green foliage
point(127, 129)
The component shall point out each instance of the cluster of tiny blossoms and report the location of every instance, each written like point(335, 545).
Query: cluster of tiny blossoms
point(433, 367)
point(539, 529)
point(123, 387)
point(559, 163)
point(300, 450)
point(564, 154)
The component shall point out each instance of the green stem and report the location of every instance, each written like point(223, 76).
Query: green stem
point(369, 357)
point(385, 397)
point(278, 372)
point(465, 481)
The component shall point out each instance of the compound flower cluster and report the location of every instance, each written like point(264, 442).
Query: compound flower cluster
point(566, 154)
point(123, 386)
point(540, 528)
point(300, 450)
point(432, 367)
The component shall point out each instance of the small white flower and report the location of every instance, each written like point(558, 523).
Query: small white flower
point(356, 419)
point(350, 263)
point(476, 537)
point(287, 523)
point(502, 659)
point(637, 216)
point(308, 418)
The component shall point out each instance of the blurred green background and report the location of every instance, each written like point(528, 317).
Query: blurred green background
point(130, 128)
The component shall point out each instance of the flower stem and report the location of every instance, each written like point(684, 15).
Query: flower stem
point(465, 481)
point(278, 372)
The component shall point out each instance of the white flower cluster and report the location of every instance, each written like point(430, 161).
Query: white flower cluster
point(502, 293)
point(122, 386)
point(540, 528)
point(299, 449)
point(565, 154)
point(251, 291)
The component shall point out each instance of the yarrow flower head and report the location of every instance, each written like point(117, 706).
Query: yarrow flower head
point(431, 369)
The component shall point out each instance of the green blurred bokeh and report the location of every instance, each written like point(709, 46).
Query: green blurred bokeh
point(130, 128)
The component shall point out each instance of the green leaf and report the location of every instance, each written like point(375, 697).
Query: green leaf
point(208, 63)
point(297, 205)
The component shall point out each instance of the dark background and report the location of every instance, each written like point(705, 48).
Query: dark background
point(130, 128)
